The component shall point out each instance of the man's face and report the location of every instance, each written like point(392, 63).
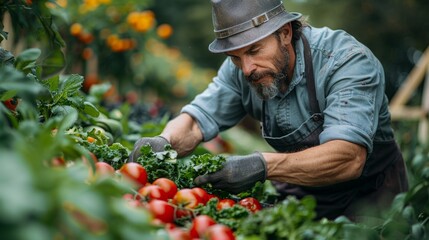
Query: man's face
point(264, 64)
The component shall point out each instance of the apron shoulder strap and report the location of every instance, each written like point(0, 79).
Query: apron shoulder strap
point(309, 74)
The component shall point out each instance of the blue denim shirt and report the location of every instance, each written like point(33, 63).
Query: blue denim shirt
point(350, 88)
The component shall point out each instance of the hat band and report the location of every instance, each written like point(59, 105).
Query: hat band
point(254, 22)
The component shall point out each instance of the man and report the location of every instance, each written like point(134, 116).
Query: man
point(319, 95)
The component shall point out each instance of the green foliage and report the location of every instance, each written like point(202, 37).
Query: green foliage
point(62, 203)
point(409, 214)
point(232, 217)
point(54, 119)
point(289, 219)
point(181, 171)
point(35, 24)
point(47, 125)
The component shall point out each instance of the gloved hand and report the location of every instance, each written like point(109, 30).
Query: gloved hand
point(239, 173)
point(157, 143)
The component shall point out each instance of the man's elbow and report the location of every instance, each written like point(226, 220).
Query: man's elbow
point(358, 164)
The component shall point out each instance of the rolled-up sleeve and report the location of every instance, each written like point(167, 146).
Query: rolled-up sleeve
point(354, 95)
point(219, 107)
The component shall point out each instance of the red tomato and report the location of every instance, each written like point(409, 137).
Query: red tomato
point(186, 198)
point(134, 203)
point(58, 162)
point(200, 224)
point(219, 232)
point(128, 196)
point(134, 172)
point(225, 203)
point(202, 194)
point(93, 157)
point(210, 196)
point(150, 192)
point(161, 210)
point(178, 234)
point(131, 201)
point(169, 226)
point(183, 212)
point(251, 204)
point(104, 169)
point(169, 187)
point(11, 103)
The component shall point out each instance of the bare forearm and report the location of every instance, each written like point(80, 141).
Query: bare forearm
point(183, 134)
point(332, 162)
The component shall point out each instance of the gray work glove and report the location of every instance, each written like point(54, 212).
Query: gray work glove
point(157, 143)
point(239, 173)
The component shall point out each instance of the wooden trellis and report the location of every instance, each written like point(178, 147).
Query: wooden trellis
point(398, 107)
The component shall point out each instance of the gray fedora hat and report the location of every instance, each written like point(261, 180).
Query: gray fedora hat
point(239, 23)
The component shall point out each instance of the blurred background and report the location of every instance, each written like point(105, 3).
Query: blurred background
point(155, 52)
point(84, 79)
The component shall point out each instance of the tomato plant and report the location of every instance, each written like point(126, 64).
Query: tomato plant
point(150, 192)
point(169, 187)
point(200, 224)
point(251, 204)
point(219, 232)
point(225, 203)
point(134, 172)
point(161, 210)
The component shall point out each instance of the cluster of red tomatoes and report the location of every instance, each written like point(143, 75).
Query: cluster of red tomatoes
point(167, 203)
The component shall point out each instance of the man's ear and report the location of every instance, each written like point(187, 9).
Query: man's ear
point(286, 33)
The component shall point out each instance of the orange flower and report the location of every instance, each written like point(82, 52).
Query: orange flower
point(87, 53)
point(89, 81)
point(86, 38)
point(164, 31)
point(133, 18)
point(111, 39)
point(76, 29)
point(146, 20)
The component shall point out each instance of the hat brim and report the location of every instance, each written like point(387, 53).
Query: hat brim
point(252, 35)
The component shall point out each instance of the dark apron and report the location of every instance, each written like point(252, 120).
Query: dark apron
point(339, 199)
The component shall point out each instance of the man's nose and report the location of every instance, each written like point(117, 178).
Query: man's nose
point(247, 66)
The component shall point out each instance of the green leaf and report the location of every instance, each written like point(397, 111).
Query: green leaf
point(53, 82)
point(99, 90)
point(7, 95)
point(68, 114)
point(27, 58)
point(15, 189)
point(71, 84)
point(91, 110)
point(14, 80)
point(53, 63)
point(6, 57)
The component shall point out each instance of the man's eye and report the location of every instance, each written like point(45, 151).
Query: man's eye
point(253, 52)
point(235, 60)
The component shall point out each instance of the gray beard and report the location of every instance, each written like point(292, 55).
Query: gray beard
point(280, 79)
point(271, 90)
